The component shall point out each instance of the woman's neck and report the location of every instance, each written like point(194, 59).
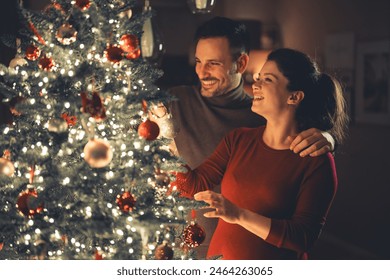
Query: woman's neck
point(279, 134)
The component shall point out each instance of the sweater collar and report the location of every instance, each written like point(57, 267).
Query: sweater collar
point(231, 99)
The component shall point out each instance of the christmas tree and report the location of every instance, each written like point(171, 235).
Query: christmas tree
point(84, 174)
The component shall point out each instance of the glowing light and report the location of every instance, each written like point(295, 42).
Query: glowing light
point(66, 181)
point(40, 84)
point(45, 80)
point(71, 73)
point(37, 231)
point(6, 130)
point(67, 105)
point(24, 150)
point(62, 71)
point(119, 232)
point(131, 250)
point(30, 223)
point(48, 106)
point(32, 101)
point(147, 148)
point(27, 237)
point(82, 46)
point(129, 240)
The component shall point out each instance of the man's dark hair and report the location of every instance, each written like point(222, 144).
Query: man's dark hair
point(236, 33)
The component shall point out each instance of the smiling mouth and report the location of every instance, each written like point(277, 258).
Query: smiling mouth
point(257, 98)
point(208, 83)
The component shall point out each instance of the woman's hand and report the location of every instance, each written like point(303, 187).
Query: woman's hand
point(224, 209)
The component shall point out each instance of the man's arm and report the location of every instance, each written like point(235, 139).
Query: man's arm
point(313, 142)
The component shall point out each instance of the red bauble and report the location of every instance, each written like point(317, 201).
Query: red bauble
point(98, 153)
point(27, 203)
point(194, 235)
point(1, 246)
point(93, 106)
point(163, 252)
point(148, 130)
point(125, 201)
point(98, 256)
point(134, 54)
point(129, 42)
point(32, 52)
point(113, 53)
point(83, 4)
point(46, 63)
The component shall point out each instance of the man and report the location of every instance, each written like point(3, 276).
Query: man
point(207, 112)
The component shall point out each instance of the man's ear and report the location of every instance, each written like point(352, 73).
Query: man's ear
point(242, 63)
point(296, 97)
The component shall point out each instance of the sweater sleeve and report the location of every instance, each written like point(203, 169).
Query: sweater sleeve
point(314, 199)
point(209, 174)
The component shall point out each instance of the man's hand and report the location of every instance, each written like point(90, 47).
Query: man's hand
point(312, 142)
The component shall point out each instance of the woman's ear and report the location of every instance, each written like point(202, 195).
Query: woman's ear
point(242, 63)
point(296, 97)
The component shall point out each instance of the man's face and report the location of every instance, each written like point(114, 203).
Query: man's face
point(214, 66)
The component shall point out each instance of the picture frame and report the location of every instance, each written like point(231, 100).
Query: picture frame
point(372, 104)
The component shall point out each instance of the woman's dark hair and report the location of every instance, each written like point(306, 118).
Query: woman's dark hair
point(236, 33)
point(323, 106)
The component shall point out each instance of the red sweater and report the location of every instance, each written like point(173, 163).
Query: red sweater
point(294, 192)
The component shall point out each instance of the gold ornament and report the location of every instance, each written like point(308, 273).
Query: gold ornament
point(98, 153)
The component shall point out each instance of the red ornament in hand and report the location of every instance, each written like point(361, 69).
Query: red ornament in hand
point(113, 53)
point(163, 252)
point(148, 130)
point(32, 52)
point(125, 201)
point(27, 203)
point(194, 235)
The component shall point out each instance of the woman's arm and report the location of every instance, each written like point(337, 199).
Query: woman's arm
point(298, 232)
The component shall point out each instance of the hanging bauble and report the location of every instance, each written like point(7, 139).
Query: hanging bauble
point(163, 252)
point(129, 42)
point(17, 62)
point(32, 52)
point(1, 246)
point(98, 153)
point(113, 53)
point(46, 63)
point(125, 201)
point(6, 166)
point(134, 54)
point(57, 125)
point(28, 204)
point(162, 179)
point(193, 235)
point(98, 255)
point(83, 4)
point(93, 106)
point(66, 34)
point(148, 130)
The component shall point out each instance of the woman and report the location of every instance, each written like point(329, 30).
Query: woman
point(273, 203)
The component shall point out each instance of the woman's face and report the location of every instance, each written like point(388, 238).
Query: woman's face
point(270, 92)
